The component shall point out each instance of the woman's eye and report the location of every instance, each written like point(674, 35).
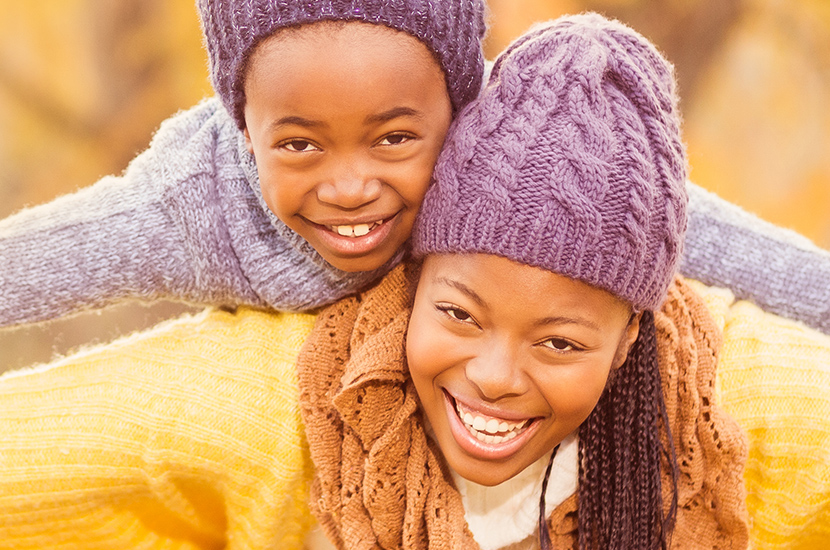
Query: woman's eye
point(456, 313)
point(299, 146)
point(558, 344)
point(459, 314)
point(395, 139)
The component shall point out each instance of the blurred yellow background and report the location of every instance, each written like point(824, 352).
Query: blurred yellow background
point(84, 83)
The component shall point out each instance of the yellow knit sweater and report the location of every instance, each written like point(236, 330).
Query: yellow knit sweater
point(184, 437)
point(188, 436)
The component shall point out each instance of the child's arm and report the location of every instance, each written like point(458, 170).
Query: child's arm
point(89, 249)
point(781, 271)
point(186, 436)
point(184, 222)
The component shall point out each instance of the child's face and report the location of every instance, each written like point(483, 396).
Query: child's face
point(509, 359)
point(346, 122)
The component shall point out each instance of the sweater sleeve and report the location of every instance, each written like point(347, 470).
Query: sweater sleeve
point(86, 250)
point(779, 270)
point(124, 237)
point(187, 437)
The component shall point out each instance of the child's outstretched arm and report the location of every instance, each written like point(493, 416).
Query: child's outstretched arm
point(779, 270)
point(184, 222)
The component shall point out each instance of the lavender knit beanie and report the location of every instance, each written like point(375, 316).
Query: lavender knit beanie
point(570, 160)
point(451, 29)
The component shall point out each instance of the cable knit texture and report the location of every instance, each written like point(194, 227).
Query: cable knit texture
point(570, 160)
point(452, 29)
point(186, 221)
point(381, 482)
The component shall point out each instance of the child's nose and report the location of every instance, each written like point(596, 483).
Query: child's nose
point(349, 187)
point(496, 373)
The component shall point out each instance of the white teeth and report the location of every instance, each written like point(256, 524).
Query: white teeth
point(487, 438)
point(358, 230)
point(486, 430)
point(479, 424)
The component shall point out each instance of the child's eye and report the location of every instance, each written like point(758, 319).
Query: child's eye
point(395, 139)
point(559, 345)
point(299, 146)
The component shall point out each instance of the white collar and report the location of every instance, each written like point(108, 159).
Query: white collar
point(508, 513)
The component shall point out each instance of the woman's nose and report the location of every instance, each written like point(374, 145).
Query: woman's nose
point(349, 186)
point(496, 373)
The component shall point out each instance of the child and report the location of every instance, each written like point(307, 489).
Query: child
point(550, 240)
point(297, 186)
point(190, 435)
point(228, 207)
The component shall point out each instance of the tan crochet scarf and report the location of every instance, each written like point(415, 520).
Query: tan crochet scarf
point(380, 482)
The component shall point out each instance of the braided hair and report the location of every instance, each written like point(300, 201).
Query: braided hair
point(620, 455)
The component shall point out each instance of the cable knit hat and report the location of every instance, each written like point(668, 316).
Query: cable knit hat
point(570, 160)
point(452, 29)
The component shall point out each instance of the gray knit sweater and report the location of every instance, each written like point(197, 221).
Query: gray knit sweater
point(187, 222)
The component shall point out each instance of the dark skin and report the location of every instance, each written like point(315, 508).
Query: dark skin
point(482, 344)
point(346, 121)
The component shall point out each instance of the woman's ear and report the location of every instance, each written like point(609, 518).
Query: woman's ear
point(629, 336)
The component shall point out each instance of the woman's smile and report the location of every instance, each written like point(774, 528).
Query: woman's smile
point(502, 375)
point(484, 436)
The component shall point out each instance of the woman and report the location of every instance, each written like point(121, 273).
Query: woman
point(190, 436)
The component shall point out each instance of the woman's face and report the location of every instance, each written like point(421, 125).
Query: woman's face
point(509, 359)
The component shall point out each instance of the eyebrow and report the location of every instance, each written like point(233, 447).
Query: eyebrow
point(552, 320)
point(393, 113)
point(296, 121)
point(377, 118)
point(462, 287)
point(562, 320)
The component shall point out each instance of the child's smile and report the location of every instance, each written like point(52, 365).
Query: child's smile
point(509, 359)
point(346, 121)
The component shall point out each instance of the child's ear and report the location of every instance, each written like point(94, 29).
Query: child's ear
point(248, 145)
point(632, 330)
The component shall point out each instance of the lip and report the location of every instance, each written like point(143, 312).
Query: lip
point(479, 449)
point(354, 246)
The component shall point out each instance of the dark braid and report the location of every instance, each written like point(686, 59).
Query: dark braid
point(544, 533)
point(620, 451)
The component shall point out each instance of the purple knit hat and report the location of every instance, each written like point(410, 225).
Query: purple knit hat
point(451, 29)
point(570, 160)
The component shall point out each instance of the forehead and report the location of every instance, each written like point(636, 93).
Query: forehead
point(322, 44)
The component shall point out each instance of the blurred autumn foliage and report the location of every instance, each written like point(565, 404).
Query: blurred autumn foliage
point(84, 83)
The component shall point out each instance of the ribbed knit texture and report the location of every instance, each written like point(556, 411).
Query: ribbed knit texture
point(570, 160)
point(381, 482)
point(185, 437)
point(209, 400)
point(185, 222)
point(451, 29)
point(774, 380)
point(776, 268)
